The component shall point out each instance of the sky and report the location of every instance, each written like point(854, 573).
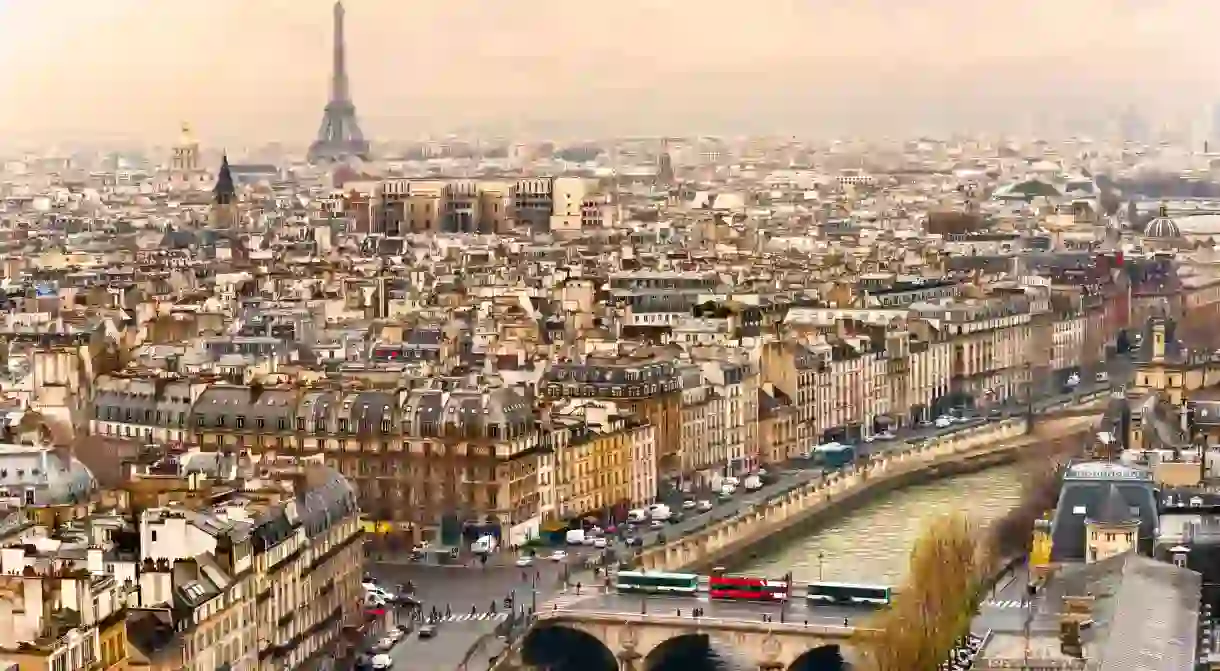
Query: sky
point(258, 70)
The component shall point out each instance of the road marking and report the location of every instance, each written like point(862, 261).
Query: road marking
point(477, 617)
point(1004, 603)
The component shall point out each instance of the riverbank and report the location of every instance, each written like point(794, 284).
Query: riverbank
point(767, 524)
point(749, 550)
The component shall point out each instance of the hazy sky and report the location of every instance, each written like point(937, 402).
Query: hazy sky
point(250, 70)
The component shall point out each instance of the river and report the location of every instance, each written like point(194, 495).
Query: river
point(869, 546)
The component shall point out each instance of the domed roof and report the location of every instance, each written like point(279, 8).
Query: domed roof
point(1162, 226)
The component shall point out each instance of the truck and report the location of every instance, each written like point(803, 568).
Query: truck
point(575, 537)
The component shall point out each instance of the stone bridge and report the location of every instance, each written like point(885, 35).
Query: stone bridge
point(637, 642)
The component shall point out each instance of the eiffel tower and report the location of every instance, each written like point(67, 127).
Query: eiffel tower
point(339, 137)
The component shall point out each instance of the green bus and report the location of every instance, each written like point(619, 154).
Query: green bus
point(847, 594)
point(656, 583)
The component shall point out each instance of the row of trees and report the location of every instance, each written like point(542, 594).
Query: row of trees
point(951, 566)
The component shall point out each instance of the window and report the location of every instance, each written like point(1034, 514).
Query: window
point(300, 423)
point(260, 423)
point(283, 424)
point(241, 421)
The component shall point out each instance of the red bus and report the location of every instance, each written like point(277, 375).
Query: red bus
point(745, 588)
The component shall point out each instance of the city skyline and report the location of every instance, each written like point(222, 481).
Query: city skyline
point(248, 72)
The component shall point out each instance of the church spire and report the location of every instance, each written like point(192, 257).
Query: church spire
point(225, 192)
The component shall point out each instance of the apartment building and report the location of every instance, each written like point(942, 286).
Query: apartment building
point(605, 460)
point(992, 340)
point(454, 457)
point(646, 382)
point(266, 578)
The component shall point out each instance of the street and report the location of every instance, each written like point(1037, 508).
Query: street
point(455, 590)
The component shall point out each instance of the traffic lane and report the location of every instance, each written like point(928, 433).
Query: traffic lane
point(446, 650)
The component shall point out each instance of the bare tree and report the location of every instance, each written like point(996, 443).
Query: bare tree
point(933, 608)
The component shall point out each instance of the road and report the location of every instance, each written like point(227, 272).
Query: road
point(455, 590)
point(1005, 610)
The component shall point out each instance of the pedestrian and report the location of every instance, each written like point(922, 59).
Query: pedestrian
point(448, 612)
point(474, 610)
point(679, 612)
point(844, 622)
point(578, 588)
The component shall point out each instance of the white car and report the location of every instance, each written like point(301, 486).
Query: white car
point(599, 543)
point(382, 662)
point(559, 555)
point(688, 504)
point(525, 561)
point(943, 421)
point(704, 505)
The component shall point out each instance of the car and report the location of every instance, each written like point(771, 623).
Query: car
point(394, 634)
point(635, 541)
point(599, 543)
point(427, 631)
point(1102, 377)
point(704, 505)
point(589, 540)
point(944, 421)
point(725, 495)
point(524, 561)
point(886, 435)
point(688, 504)
point(656, 524)
point(676, 517)
point(558, 556)
point(381, 662)
point(385, 643)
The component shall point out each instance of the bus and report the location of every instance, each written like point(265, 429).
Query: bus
point(656, 583)
point(746, 588)
point(846, 594)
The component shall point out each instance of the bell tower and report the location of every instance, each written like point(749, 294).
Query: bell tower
point(224, 198)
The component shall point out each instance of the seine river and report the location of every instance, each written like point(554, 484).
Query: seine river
point(870, 546)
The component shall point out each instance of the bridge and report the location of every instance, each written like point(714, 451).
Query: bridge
point(638, 642)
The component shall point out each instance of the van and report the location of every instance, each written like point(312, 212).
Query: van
point(484, 545)
point(659, 511)
point(575, 537)
point(636, 516)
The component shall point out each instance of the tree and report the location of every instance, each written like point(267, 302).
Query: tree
point(935, 604)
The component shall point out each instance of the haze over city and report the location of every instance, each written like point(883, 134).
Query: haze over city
point(253, 71)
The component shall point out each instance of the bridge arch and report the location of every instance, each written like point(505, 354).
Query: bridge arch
point(684, 651)
point(559, 647)
point(822, 658)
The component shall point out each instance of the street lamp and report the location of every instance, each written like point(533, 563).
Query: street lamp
point(821, 556)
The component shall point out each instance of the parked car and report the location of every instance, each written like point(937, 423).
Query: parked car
point(558, 556)
point(704, 505)
point(427, 631)
point(688, 504)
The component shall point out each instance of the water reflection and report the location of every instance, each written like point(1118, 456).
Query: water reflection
point(872, 544)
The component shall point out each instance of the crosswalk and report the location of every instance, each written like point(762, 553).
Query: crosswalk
point(474, 617)
point(1004, 603)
